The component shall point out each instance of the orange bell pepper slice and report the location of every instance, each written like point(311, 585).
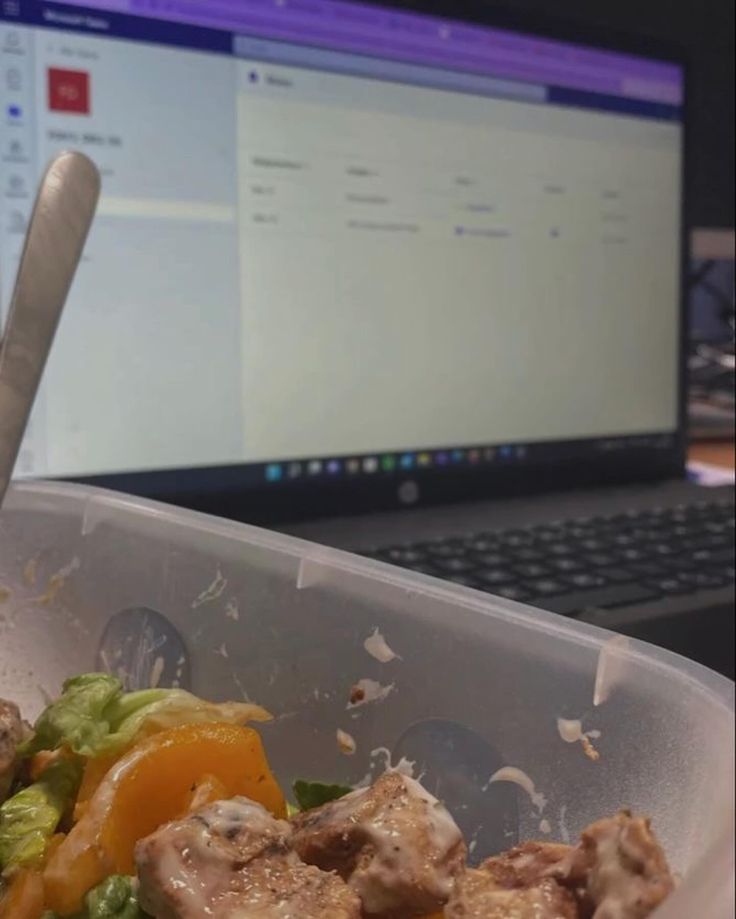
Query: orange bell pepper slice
point(153, 783)
point(24, 897)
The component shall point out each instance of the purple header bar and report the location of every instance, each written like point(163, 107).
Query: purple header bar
point(421, 39)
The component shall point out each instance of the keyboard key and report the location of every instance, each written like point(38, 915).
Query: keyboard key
point(516, 538)
point(585, 580)
point(561, 548)
point(670, 585)
point(603, 598)
point(546, 587)
point(633, 555)
point(532, 570)
point(444, 549)
point(454, 565)
point(602, 559)
point(565, 563)
point(593, 545)
point(527, 555)
point(623, 539)
point(481, 544)
point(490, 559)
point(663, 549)
point(495, 576)
point(401, 555)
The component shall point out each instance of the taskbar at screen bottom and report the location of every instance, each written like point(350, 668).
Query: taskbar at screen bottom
point(324, 469)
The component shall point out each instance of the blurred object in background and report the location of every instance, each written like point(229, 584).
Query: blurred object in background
point(712, 319)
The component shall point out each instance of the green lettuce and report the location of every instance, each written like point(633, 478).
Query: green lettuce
point(29, 819)
point(315, 794)
point(114, 898)
point(94, 717)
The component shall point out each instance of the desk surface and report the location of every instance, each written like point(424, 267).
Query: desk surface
point(716, 453)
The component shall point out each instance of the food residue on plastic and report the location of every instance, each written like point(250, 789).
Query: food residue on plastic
point(30, 571)
point(365, 691)
point(346, 743)
point(57, 581)
point(231, 609)
point(520, 778)
point(564, 829)
point(212, 591)
point(545, 827)
point(156, 672)
point(378, 648)
point(571, 731)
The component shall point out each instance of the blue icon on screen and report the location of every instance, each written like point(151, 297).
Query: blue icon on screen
point(407, 461)
point(274, 472)
point(14, 111)
point(506, 452)
point(458, 456)
point(334, 467)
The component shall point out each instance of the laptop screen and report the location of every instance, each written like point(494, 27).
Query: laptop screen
point(337, 239)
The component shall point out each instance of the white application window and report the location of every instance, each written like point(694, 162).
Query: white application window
point(421, 267)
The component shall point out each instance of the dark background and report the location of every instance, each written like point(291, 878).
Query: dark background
point(705, 30)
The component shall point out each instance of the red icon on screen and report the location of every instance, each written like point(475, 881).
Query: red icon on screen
point(69, 91)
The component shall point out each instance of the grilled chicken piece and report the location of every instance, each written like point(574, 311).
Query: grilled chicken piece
point(396, 846)
point(12, 731)
point(626, 871)
point(478, 896)
point(532, 862)
point(232, 860)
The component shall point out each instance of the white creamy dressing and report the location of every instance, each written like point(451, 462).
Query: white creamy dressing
point(520, 778)
point(401, 855)
point(201, 870)
point(378, 648)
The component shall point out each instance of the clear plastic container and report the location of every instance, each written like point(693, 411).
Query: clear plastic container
point(249, 613)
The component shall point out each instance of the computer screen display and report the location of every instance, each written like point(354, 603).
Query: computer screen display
point(335, 239)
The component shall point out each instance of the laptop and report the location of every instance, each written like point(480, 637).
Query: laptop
point(404, 283)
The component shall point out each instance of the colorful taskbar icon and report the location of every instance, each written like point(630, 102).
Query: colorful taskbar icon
point(389, 463)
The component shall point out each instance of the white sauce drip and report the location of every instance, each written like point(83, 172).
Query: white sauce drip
point(545, 827)
point(564, 830)
point(346, 743)
point(377, 646)
point(520, 778)
point(231, 609)
point(156, 672)
point(372, 691)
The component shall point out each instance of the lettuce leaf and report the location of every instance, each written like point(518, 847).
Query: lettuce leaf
point(315, 794)
point(77, 717)
point(94, 717)
point(114, 898)
point(29, 819)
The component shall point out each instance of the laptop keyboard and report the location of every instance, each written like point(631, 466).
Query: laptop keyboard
point(596, 562)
